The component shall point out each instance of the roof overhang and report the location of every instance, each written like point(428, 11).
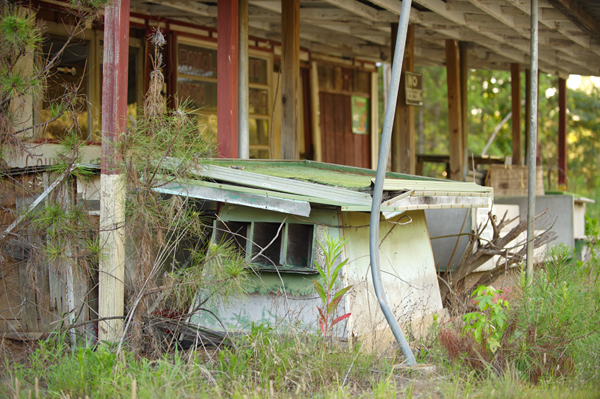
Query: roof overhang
point(295, 195)
point(496, 32)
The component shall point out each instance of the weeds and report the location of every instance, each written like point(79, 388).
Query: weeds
point(550, 332)
point(489, 323)
point(265, 364)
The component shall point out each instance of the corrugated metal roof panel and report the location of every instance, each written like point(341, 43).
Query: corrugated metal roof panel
point(286, 185)
point(291, 206)
point(237, 183)
point(438, 187)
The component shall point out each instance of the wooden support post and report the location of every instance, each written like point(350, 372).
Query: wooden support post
point(562, 134)
point(527, 111)
point(464, 101)
point(515, 87)
point(454, 113)
point(374, 120)
point(316, 111)
point(290, 74)
point(112, 197)
point(243, 88)
point(403, 131)
point(227, 78)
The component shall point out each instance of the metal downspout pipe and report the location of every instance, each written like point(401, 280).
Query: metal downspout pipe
point(384, 150)
point(243, 70)
point(532, 150)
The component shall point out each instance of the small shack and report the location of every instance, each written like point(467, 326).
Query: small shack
point(277, 212)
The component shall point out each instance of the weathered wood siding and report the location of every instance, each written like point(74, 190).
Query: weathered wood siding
point(340, 145)
point(33, 297)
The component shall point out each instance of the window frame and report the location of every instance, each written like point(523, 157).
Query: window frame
point(283, 267)
point(268, 56)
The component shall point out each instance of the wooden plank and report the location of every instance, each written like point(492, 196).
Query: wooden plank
point(307, 115)
point(374, 120)
point(562, 134)
point(227, 78)
point(45, 315)
point(515, 86)
point(315, 110)
point(454, 111)
point(57, 291)
point(464, 98)
point(290, 88)
point(403, 131)
point(10, 292)
point(325, 116)
point(25, 200)
point(527, 111)
point(29, 318)
point(579, 15)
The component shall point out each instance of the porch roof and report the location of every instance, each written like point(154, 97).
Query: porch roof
point(291, 186)
point(497, 31)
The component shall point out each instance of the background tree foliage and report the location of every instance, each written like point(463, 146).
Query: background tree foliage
point(490, 101)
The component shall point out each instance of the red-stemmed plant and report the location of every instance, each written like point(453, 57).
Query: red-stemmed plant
point(330, 297)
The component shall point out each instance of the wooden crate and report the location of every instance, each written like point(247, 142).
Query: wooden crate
point(511, 180)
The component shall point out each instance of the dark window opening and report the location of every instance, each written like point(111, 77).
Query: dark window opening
point(234, 233)
point(264, 233)
point(299, 244)
point(271, 246)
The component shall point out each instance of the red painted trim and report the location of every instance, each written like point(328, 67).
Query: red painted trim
point(114, 84)
point(562, 132)
point(227, 79)
point(137, 25)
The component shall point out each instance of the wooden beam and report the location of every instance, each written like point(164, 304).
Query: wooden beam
point(374, 120)
point(111, 291)
point(562, 134)
point(227, 78)
point(454, 114)
point(517, 141)
point(316, 111)
point(579, 15)
point(357, 8)
point(527, 111)
point(290, 76)
point(464, 99)
point(403, 131)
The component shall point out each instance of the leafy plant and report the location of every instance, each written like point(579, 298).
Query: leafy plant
point(491, 322)
point(330, 298)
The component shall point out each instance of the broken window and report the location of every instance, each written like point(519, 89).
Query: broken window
point(270, 246)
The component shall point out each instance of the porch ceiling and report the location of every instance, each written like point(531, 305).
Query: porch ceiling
point(497, 30)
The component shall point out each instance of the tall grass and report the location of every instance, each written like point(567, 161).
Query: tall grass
point(553, 331)
point(263, 364)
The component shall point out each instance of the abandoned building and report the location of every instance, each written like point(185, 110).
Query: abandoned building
point(295, 80)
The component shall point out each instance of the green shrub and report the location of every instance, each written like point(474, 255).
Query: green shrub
point(490, 322)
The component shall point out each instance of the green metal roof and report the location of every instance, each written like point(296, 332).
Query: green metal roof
point(316, 172)
point(289, 186)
